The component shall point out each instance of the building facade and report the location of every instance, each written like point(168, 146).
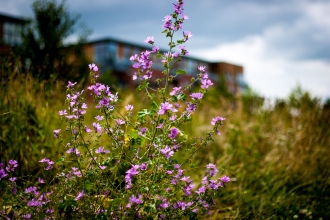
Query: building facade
point(10, 31)
point(112, 54)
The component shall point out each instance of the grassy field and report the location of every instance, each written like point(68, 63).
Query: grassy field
point(277, 156)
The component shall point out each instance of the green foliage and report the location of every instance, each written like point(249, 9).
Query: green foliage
point(27, 109)
point(278, 155)
point(107, 78)
point(179, 72)
point(251, 101)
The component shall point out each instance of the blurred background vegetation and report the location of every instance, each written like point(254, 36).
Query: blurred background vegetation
point(276, 154)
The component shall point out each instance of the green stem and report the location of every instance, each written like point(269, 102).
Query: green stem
point(202, 145)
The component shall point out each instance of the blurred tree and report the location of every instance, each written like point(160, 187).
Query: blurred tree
point(252, 101)
point(222, 88)
point(43, 52)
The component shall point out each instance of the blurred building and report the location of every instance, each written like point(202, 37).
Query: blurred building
point(113, 55)
point(10, 32)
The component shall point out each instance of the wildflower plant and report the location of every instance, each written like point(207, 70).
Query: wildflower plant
point(123, 166)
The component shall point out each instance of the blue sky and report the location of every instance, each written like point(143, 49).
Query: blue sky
point(280, 43)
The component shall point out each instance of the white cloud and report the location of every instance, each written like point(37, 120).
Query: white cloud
point(283, 54)
point(272, 76)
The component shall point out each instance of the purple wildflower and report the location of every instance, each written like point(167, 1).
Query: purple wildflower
point(180, 204)
point(130, 174)
point(206, 83)
point(142, 131)
point(93, 67)
point(191, 107)
point(129, 107)
point(202, 189)
point(57, 132)
point(49, 163)
point(225, 179)
point(168, 22)
point(49, 211)
point(71, 116)
point(12, 165)
point(217, 119)
point(73, 151)
point(160, 125)
point(164, 204)
point(185, 17)
point(101, 150)
point(70, 84)
point(164, 107)
point(167, 152)
point(97, 127)
point(87, 129)
point(188, 188)
point(134, 57)
point(187, 35)
point(177, 105)
point(197, 95)
point(175, 91)
point(185, 178)
point(169, 172)
point(202, 69)
point(149, 40)
point(120, 122)
point(103, 167)
point(172, 118)
point(80, 195)
point(173, 133)
point(41, 180)
point(143, 166)
point(183, 50)
point(62, 112)
point(213, 185)
point(99, 118)
point(205, 181)
point(76, 171)
point(155, 49)
point(136, 200)
point(32, 190)
point(211, 169)
point(26, 216)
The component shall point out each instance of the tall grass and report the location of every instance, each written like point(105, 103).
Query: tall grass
point(278, 156)
point(28, 114)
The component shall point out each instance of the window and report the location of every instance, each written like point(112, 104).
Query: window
point(11, 33)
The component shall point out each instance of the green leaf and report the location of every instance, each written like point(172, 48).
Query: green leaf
point(154, 105)
point(88, 185)
point(178, 72)
point(134, 134)
point(142, 86)
point(60, 159)
point(182, 97)
point(142, 114)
